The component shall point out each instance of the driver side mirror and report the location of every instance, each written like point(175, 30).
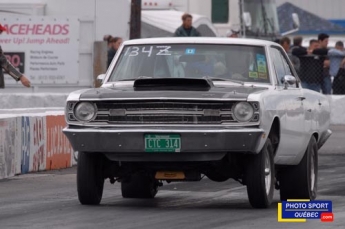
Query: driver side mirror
point(247, 19)
point(101, 78)
point(288, 81)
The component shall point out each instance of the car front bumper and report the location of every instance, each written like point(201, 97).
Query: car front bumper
point(197, 144)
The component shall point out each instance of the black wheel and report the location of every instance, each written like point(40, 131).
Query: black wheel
point(300, 181)
point(139, 186)
point(90, 180)
point(260, 177)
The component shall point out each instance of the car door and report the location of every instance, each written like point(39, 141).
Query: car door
point(292, 124)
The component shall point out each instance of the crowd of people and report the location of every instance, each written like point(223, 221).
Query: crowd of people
point(319, 67)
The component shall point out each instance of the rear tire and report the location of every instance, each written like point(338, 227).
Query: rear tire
point(90, 181)
point(260, 177)
point(300, 181)
point(139, 186)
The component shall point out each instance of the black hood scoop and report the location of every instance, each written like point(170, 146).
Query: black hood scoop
point(178, 84)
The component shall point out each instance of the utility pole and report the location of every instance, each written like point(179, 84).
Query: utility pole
point(135, 23)
point(242, 23)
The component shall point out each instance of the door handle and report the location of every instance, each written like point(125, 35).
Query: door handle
point(301, 98)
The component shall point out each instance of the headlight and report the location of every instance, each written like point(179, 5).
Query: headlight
point(243, 112)
point(85, 111)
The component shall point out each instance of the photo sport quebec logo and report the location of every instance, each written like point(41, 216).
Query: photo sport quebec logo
point(299, 211)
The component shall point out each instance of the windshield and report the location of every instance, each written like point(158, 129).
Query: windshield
point(225, 62)
point(264, 18)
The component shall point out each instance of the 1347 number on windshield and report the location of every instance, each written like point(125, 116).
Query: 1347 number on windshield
point(135, 50)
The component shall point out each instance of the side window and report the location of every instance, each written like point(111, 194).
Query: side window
point(281, 66)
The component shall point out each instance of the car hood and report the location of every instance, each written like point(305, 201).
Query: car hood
point(216, 92)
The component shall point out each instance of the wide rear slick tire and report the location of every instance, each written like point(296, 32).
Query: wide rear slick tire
point(90, 180)
point(260, 176)
point(300, 181)
point(139, 186)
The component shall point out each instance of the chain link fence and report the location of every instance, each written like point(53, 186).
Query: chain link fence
point(316, 73)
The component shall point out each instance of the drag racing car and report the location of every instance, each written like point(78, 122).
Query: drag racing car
point(178, 109)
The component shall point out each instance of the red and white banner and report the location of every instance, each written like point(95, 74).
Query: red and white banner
point(59, 149)
point(45, 49)
point(38, 144)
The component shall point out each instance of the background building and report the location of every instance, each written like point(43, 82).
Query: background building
point(317, 16)
point(332, 10)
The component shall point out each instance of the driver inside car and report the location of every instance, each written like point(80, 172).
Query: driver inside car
point(200, 68)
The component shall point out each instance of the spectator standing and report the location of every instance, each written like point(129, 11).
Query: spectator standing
point(115, 43)
point(107, 39)
point(296, 43)
point(285, 42)
point(311, 65)
point(8, 67)
point(326, 84)
point(186, 29)
point(336, 56)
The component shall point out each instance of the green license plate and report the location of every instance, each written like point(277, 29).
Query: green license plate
point(162, 143)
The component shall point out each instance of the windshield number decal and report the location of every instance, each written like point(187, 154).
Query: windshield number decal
point(134, 52)
point(149, 51)
point(162, 51)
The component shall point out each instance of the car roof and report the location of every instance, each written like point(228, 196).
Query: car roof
point(199, 40)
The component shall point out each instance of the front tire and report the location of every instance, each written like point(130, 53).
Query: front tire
point(300, 181)
point(260, 177)
point(139, 186)
point(90, 180)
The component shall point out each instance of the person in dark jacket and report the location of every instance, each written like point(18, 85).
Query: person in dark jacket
point(8, 68)
point(107, 39)
point(186, 29)
point(296, 42)
point(115, 43)
point(311, 65)
point(326, 85)
point(285, 42)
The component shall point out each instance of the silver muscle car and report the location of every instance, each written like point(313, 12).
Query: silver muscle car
point(179, 109)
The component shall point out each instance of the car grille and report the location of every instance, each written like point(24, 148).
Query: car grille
point(165, 112)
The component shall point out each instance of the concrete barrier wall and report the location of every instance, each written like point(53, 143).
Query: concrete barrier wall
point(337, 103)
point(33, 142)
point(31, 100)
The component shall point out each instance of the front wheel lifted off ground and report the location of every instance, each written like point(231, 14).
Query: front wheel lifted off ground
point(260, 177)
point(90, 180)
point(300, 181)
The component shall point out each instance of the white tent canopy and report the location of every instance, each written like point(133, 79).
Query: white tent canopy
point(161, 23)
